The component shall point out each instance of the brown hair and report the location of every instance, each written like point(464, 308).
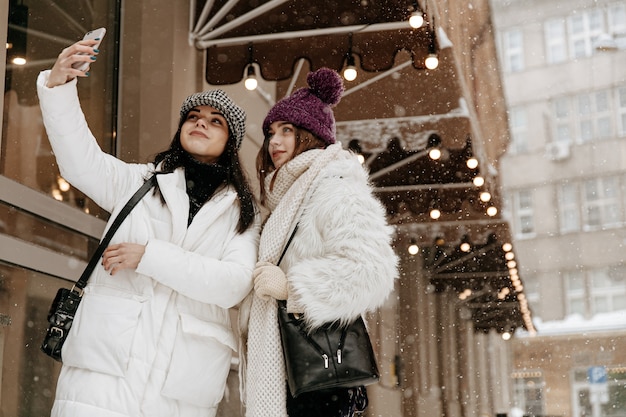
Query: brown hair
point(305, 141)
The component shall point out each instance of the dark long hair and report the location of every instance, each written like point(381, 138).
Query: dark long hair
point(174, 157)
point(305, 141)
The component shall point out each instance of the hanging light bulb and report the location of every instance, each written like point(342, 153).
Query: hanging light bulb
point(485, 196)
point(416, 20)
point(413, 249)
point(435, 214)
point(350, 73)
point(251, 82)
point(472, 163)
point(432, 61)
point(478, 181)
point(434, 154)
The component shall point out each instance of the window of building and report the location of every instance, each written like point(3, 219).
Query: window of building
point(595, 290)
point(523, 212)
point(584, 28)
point(518, 122)
point(608, 289)
point(575, 289)
point(513, 50)
point(37, 32)
point(590, 116)
point(556, 42)
point(561, 111)
point(569, 208)
point(617, 19)
point(601, 204)
point(48, 229)
point(594, 116)
point(583, 393)
point(528, 393)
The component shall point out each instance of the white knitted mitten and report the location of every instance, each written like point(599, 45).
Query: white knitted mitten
point(269, 281)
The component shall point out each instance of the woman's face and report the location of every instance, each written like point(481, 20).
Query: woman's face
point(204, 134)
point(282, 142)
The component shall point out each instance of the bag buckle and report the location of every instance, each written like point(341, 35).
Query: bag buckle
point(78, 290)
point(56, 332)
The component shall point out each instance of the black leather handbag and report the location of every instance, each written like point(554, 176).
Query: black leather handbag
point(329, 357)
point(66, 301)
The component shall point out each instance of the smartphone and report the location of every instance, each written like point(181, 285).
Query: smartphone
point(92, 34)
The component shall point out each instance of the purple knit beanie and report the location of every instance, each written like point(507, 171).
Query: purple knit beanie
point(310, 108)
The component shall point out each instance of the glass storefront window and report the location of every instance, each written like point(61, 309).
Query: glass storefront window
point(37, 32)
point(25, 297)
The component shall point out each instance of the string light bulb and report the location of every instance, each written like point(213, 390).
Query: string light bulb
point(413, 249)
point(432, 61)
point(251, 82)
point(416, 20)
point(350, 73)
point(434, 154)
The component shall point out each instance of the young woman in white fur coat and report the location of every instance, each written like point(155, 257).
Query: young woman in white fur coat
point(340, 263)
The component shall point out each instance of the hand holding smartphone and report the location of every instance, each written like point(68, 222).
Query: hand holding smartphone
point(92, 34)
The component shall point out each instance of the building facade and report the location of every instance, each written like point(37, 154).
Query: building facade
point(563, 179)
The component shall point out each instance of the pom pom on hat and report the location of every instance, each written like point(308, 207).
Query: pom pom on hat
point(235, 116)
point(311, 108)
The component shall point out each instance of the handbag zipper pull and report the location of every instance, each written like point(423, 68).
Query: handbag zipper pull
point(325, 356)
point(338, 355)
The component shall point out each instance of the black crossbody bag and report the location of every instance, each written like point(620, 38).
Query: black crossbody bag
point(329, 357)
point(66, 301)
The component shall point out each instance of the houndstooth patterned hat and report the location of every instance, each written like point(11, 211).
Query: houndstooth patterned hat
point(235, 116)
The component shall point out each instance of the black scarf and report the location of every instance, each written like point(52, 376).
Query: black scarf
point(202, 182)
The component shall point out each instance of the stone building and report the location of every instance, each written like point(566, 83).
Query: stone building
point(563, 181)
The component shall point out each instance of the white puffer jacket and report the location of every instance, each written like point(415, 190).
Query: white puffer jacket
point(156, 341)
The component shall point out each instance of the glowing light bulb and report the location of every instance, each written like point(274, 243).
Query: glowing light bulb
point(434, 154)
point(350, 73)
point(251, 82)
point(479, 181)
point(416, 20)
point(431, 61)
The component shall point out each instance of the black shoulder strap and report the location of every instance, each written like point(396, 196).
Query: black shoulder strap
point(287, 245)
point(82, 281)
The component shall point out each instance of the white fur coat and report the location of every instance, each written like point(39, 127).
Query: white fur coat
point(340, 263)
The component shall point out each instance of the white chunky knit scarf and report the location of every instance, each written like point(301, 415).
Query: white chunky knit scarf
point(265, 387)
